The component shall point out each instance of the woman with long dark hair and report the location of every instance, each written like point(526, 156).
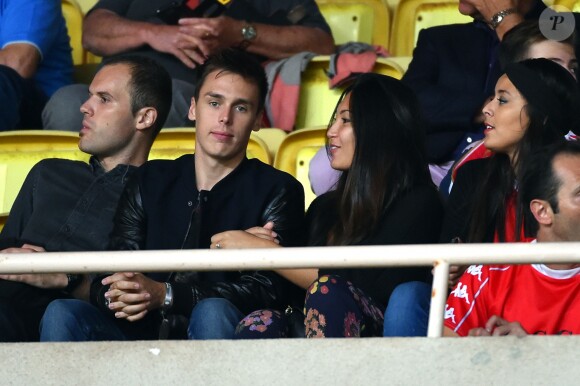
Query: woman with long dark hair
point(384, 196)
point(536, 103)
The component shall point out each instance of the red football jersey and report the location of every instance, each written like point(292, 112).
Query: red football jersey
point(543, 300)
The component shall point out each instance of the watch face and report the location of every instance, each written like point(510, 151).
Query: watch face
point(249, 32)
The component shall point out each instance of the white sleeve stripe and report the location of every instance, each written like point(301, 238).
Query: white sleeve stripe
point(472, 305)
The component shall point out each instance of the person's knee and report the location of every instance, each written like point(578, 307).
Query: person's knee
point(413, 291)
point(62, 111)
point(59, 319)
point(213, 318)
point(60, 311)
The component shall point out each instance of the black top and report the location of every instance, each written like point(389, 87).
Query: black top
point(414, 218)
point(459, 206)
point(161, 208)
point(454, 69)
point(66, 205)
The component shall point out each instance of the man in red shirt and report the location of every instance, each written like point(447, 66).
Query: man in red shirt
point(495, 300)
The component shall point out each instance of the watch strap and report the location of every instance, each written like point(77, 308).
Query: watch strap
point(498, 17)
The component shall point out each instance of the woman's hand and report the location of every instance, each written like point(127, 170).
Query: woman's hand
point(256, 237)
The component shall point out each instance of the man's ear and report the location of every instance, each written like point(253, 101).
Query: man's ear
point(145, 118)
point(258, 123)
point(542, 212)
point(191, 113)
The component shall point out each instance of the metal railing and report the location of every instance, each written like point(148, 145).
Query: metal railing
point(441, 256)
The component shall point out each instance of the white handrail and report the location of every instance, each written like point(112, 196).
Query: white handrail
point(439, 255)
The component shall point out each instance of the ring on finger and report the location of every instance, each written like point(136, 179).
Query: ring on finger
point(218, 246)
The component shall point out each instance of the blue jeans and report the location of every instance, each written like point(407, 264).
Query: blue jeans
point(213, 318)
point(72, 320)
point(407, 313)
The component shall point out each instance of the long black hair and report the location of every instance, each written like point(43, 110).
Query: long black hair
point(546, 126)
point(389, 156)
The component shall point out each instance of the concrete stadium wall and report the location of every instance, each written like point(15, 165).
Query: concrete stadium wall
point(374, 361)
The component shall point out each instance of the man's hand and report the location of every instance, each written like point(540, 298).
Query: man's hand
point(497, 326)
point(40, 280)
point(488, 8)
point(132, 295)
point(207, 35)
point(455, 273)
point(168, 39)
point(26, 248)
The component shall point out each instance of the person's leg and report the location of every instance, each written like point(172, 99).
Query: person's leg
point(262, 324)
point(335, 308)
point(181, 100)
point(72, 320)
point(407, 313)
point(62, 112)
point(213, 318)
point(21, 101)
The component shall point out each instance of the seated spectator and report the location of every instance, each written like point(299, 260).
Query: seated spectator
point(266, 29)
point(67, 205)
point(454, 71)
point(35, 60)
point(180, 204)
point(539, 299)
point(524, 41)
point(384, 196)
point(535, 104)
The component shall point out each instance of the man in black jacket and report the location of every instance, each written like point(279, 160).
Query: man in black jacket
point(67, 205)
point(181, 204)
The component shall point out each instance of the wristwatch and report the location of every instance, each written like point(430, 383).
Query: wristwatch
point(73, 282)
point(248, 34)
point(168, 301)
point(498, 17)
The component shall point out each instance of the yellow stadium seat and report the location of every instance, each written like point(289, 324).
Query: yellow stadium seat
point(413, 15)
point(21, 150)
point(295, 153)
point(73, 15)
point(365, 21)
point(3, 218)
point(572, 5)
point(272, 137)
point(86, 5)
point(173, 143)
point(317, 101)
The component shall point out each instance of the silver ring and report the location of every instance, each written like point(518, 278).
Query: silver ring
point(218, 246)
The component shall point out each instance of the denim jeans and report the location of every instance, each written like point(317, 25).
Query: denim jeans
point(213, 318)
point(407, 313)
point(72, 320)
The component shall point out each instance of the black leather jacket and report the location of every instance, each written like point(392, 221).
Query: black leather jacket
point(161, 208)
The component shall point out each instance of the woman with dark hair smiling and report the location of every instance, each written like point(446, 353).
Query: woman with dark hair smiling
point(384, 196)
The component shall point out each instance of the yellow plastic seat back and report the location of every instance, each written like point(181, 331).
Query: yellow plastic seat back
point(413, 15)
point(73, 15)
point(365, 21)
point(295, 153)
point(317, 101)
point(86, 5)
point(272, 137)
point(571, 5)
point(3, 218)
point(175, 142)
point(21, 150)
